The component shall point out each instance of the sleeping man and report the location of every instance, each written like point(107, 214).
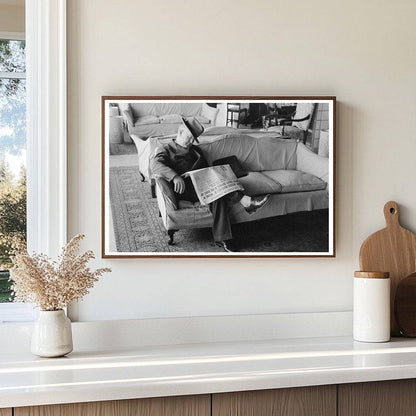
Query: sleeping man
point(181, 156)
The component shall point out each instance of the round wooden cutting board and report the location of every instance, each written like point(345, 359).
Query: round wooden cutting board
point(393, 250)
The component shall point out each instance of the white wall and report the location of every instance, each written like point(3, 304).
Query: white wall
point(361, 51)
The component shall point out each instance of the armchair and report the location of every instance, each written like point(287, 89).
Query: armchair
point(295, 125)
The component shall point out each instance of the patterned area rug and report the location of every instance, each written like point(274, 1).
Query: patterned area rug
point(138, 227)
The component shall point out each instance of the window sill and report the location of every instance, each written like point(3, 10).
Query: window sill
point(16, 313)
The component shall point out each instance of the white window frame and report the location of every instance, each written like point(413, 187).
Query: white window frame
point(46, 127)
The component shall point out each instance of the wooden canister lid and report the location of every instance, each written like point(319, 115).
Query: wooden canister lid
point(372, 275)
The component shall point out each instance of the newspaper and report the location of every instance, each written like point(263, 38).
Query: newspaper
point(214, 182)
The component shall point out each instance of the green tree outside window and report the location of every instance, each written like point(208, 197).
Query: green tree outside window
point(12, 148)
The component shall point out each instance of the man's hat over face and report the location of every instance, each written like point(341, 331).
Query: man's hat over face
point(194, 126)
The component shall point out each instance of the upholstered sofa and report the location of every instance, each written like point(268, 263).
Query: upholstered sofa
point(163, 118)
point(296, 178)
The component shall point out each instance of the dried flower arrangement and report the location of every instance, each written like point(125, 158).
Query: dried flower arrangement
point(53, 285)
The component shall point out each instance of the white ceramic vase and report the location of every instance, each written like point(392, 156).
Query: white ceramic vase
point(52, 334)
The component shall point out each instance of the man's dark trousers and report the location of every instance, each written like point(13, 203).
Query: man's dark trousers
point(221, 228)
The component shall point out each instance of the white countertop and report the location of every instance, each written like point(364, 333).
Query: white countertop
point(151, 371)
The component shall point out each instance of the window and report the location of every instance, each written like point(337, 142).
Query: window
point(45, 27)
point(12, 154)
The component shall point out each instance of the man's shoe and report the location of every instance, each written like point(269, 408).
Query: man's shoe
point(226, 245)
point(256, 203)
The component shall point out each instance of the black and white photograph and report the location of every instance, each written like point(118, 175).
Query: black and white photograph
point(218, 176)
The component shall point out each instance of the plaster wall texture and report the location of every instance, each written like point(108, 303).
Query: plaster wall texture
point(361, 52)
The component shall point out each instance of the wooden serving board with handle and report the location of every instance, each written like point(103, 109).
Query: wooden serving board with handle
point(393, 250)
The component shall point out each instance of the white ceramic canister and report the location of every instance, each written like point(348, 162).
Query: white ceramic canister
point(371, 307)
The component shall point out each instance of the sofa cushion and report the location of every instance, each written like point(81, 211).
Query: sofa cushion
point(209, 112)
point(255, 183)
point(295, 181)
point(161, 108)
point(141, 121)
point(276, 153)
point(189, 109)
point(143, 109)
point(161, 129)
point(310, 162)
point(254, 154)
point(171, 118)
point(202, 119)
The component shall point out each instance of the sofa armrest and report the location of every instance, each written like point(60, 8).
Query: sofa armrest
point(129, 117)
point(166, 195)
point(309, 162)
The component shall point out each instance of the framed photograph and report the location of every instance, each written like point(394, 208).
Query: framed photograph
point(218, 176)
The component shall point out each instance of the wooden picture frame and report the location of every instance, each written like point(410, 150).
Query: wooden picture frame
point(287, 145)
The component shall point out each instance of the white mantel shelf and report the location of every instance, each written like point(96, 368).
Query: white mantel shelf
point(151, 371)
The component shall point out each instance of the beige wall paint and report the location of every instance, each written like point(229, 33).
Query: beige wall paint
point(12, 18)
point(362, 52)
